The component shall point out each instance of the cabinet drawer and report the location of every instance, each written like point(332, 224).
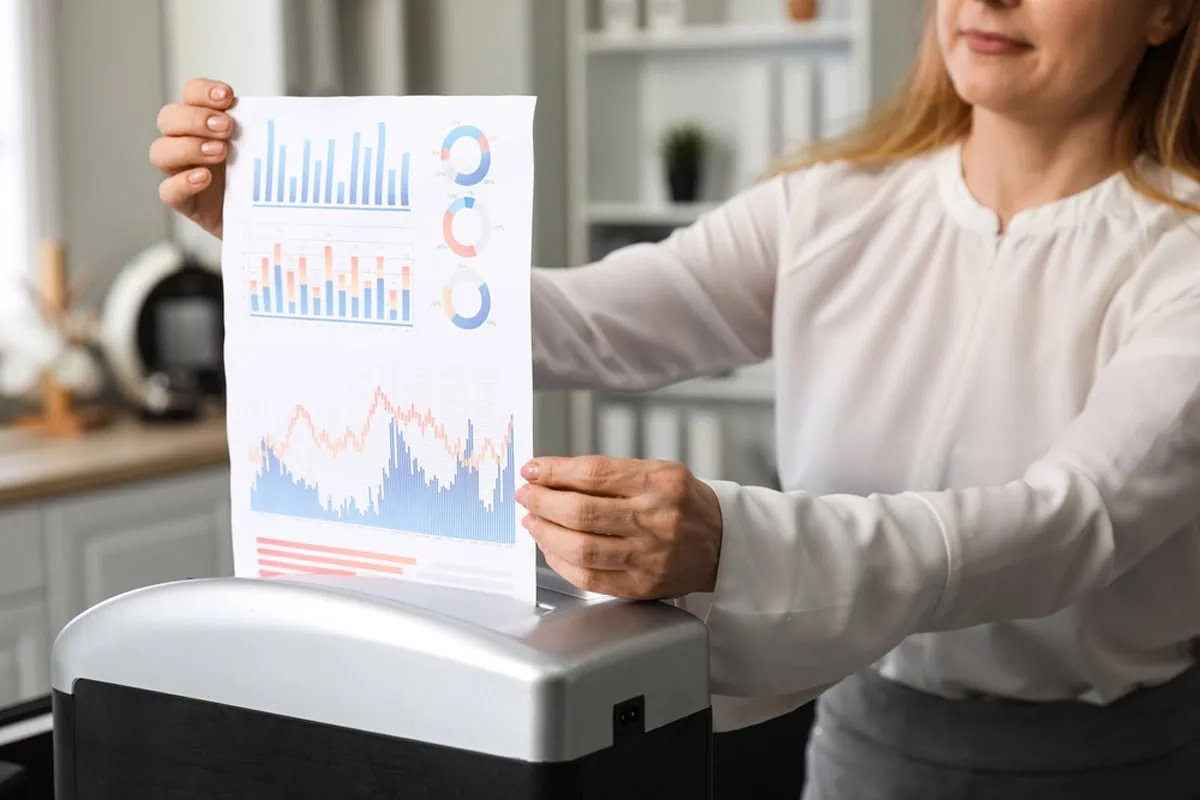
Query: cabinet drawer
point(21, 552)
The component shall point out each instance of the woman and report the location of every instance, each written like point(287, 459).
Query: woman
point(984, 310)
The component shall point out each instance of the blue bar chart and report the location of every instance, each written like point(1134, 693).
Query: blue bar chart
point(368, 178)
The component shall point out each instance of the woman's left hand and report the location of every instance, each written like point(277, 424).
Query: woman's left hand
point(629, 528)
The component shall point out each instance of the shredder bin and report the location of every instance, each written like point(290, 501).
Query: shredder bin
point(328, 687)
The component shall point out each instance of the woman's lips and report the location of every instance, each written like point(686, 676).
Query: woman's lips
point(993, 44)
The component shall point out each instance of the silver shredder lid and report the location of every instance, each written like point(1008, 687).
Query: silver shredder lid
point(444, 666)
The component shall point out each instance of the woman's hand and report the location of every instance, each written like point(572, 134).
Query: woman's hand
point(192, 152)
point(633, 529)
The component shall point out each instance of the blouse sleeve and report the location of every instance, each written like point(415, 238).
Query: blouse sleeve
point(811, 588)
point(649, 315)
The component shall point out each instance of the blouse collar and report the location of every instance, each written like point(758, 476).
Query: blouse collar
point(1103, 197)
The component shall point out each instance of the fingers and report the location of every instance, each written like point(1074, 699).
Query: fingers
point(180, 119)
point(179, 190)
point(174, 153)
point(211, 94)
point(582, 550)
point(602, 515)
point(609, 582)
point(614, 477)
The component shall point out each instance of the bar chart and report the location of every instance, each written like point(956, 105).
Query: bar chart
point(312, 173)
point(339, 288)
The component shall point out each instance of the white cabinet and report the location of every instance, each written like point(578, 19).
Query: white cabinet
point(101, 545)
point(20, 552)
point(24, 650)
point(61, 556)
point(23, 632)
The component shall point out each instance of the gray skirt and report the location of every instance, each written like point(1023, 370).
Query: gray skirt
point(879, 740)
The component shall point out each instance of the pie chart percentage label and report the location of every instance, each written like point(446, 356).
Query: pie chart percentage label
point(467, 287)
point(467, 155)
point(467, 227)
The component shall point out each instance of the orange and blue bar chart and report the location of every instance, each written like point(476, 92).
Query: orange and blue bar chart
point(341, 289)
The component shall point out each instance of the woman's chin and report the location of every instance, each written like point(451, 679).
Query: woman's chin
point(1000, 97)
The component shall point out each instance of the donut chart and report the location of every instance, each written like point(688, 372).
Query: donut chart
point(485, 155)
point(459, 247)
point(485, 300)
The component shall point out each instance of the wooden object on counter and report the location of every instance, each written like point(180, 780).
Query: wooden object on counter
point(36, 467)
point(59, 416)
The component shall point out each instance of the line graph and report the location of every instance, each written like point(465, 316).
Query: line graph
point(403, 491)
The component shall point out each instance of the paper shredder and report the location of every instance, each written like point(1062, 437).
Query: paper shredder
point(348, 688)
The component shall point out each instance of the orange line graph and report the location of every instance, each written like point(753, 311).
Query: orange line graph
point(301, 423)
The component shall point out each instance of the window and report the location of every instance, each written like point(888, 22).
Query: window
point(25, 90)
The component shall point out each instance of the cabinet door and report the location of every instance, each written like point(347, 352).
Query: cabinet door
point(24, 649)
point(24, 645)
point(21, 568)
point(111, 542)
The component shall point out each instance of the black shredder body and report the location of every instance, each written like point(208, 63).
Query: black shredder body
point(349, 688)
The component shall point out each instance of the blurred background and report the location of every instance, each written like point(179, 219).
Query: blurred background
point(113, 462)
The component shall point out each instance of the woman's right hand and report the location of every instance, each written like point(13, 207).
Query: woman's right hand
point(192, 151)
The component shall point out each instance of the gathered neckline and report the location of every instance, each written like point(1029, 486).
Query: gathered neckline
point(1109, 195)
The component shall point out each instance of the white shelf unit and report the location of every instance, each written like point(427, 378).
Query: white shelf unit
point(719, 37)
point(650, 214)
point(761, 85)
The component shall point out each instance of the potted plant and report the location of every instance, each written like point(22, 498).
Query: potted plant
point(684, 150)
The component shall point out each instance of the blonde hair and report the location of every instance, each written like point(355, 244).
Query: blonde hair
point(1160, 121)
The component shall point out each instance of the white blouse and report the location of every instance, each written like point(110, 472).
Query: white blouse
point(989, 444)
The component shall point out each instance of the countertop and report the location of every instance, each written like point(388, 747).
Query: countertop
point(36, 467)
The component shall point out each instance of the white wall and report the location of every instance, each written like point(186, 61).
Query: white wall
point(228, 40)
point(108, 57)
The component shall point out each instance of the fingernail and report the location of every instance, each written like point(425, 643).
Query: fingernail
point(529, 521)
point(217, 123)
point(218, 93)
point(520, 494)
point(212, 148)
point(530, 471)
point(196, 176)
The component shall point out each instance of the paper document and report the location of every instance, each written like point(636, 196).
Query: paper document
point(376, 262)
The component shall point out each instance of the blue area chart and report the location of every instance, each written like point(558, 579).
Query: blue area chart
point(404, 499)
point(484, 164)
